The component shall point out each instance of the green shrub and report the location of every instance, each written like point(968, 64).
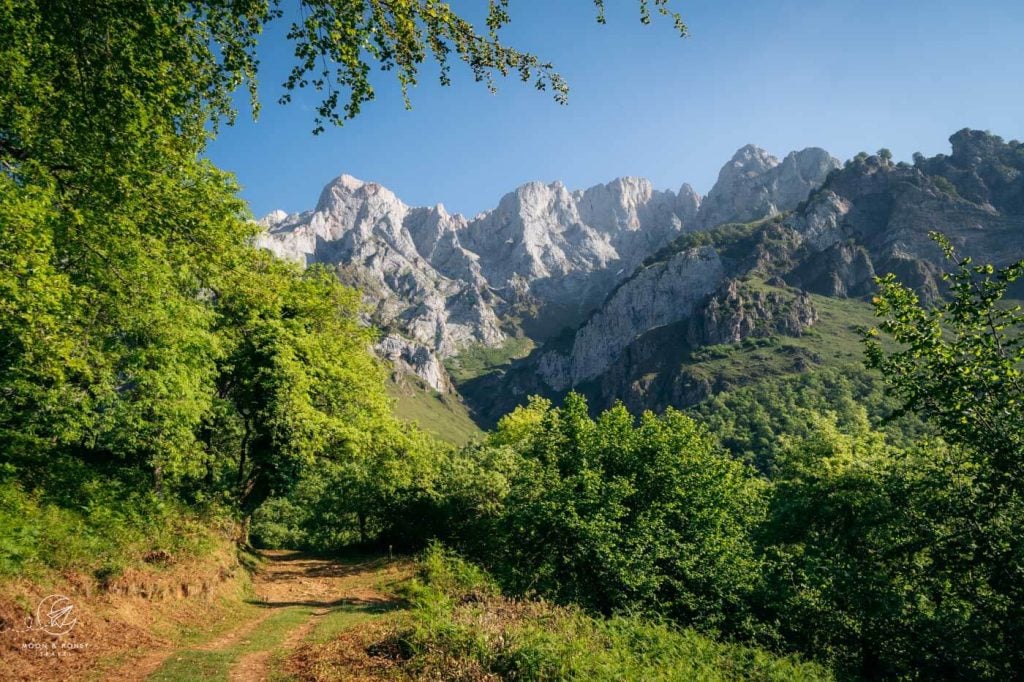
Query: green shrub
point(109, 529)
point(616, 514)
point(460, 622)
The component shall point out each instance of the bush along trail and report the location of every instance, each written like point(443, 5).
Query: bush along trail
point(298, 598)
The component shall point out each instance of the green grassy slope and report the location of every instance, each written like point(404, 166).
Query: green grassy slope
point(443, 415)
point(479, 360)
point(834, 341)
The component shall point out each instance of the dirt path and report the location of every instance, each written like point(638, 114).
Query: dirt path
point(297, 594)
point(293, 578)
point(256, 665)
point(141, 669)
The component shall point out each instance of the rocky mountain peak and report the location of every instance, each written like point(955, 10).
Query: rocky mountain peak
point(809, 163)
point(749, 160)
point(349, 182)
point(619, 204)
point(536, 197)
point(687, 207)
point(273, 219)
point(345, 192)
point(754, 184)
point(543, 259)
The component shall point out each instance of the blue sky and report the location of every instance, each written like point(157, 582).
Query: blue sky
point(846, 75)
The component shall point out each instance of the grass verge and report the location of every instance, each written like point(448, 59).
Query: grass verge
point(460, 627)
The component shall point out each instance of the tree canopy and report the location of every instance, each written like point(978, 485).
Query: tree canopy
point(121, 73)
point(150, 356)
point(140, 328)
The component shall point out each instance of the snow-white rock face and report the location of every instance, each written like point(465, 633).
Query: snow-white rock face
point(755, 185)
point(545, 256)
point(443, 282)
point(408, 262)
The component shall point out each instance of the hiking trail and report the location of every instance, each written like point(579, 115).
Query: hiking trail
point(298, 597)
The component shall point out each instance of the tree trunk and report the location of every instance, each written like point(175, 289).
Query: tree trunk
point(243, 535)
point(241, 455)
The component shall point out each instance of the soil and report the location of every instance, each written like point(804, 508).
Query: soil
point(293, 579)
point(126, 630)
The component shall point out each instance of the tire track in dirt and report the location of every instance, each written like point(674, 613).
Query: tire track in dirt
point(256, 665)
point(140, 669)
point(289, 581)
point(294, 579)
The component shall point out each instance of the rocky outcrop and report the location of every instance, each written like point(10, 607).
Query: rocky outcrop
point(407, 357)
point(842, 270)
point(755, 185)
point(656, 296)
point(740, 310)
point(983, 169)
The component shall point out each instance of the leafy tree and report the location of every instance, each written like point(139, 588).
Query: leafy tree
point(384, 492)
point(102, 113)
point(389, 487)
point(615, 514)
point(752, 420)
point(868, 565)
point(958, 364)
point(296, 372)
point(110, 342)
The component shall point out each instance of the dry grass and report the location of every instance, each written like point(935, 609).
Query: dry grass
point(121, 622)
point(381, 651)
point(459, 628)
point(362, 654)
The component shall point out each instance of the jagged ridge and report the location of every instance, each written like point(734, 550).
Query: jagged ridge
point(870, 217)
point(541, 261)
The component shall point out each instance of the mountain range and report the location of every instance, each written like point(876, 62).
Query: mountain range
point(616, 290)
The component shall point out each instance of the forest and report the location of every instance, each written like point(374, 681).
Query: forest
point(160, 376)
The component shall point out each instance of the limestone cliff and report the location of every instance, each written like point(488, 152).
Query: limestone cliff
point(543, 260)
point(747, 282)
